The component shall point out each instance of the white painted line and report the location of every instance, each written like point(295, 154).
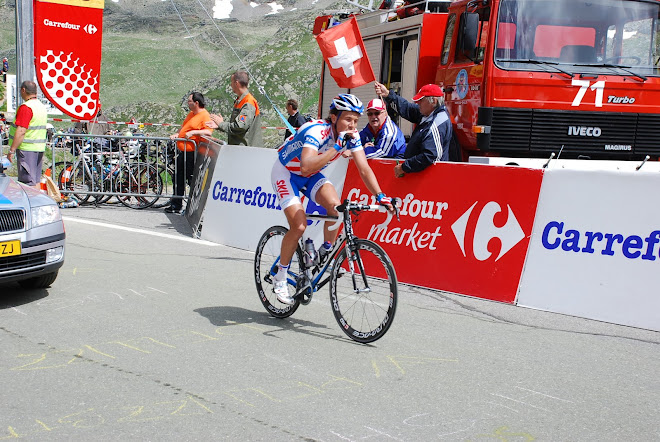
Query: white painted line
point(143, 232)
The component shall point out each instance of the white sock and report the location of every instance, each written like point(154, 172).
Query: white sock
point(282, 272)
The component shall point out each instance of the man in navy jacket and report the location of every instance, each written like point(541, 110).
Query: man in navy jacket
point(429, 142)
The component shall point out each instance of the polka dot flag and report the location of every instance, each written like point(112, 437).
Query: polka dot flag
point(68, 39)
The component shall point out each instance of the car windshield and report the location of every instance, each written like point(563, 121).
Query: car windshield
point(618, 37)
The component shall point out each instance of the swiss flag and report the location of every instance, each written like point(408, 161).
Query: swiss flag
point(344, 53)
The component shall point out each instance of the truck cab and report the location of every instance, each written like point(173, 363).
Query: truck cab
point(526, 78)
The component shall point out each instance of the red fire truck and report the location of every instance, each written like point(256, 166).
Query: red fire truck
point(526, 78)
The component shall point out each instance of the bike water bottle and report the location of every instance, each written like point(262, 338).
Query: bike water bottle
point(310, 253)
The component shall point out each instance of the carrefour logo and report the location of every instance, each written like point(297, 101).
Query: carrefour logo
point(556, 236)
point(509, 234)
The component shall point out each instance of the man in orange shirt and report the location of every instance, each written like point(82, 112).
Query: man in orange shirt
point(193, 127)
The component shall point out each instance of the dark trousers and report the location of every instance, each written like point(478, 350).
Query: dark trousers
point(185, 166)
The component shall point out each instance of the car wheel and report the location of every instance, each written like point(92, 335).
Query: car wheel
point(39, 282)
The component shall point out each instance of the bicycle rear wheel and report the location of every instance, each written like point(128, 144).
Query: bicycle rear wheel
point(363, 291)
point(73, 178)
point(266, 259)
point(139, 179)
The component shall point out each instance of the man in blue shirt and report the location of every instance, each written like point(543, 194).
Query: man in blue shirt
point(429, 142)
point(381, 137)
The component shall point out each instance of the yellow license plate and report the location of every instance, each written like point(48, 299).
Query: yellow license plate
point(10, 248)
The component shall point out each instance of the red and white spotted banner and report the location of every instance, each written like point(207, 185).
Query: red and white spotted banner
point(67, 49)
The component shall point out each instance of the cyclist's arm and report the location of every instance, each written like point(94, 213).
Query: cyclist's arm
point(368, 176)
point(311, 161)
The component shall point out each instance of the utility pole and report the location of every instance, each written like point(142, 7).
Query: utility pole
point(24, 46)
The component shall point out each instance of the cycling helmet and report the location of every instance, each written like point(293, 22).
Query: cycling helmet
point(347, 102)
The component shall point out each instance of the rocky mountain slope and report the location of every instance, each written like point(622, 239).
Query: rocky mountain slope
point(155, 52)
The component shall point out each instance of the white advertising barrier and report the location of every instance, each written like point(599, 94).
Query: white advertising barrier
point(540, 163)
point(241, 203)
point(595, 248)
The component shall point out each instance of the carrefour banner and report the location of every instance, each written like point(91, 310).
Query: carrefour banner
point(67, 49)
point(595, 251)
point(464, 228)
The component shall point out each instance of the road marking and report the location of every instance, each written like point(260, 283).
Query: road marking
point(144, 232)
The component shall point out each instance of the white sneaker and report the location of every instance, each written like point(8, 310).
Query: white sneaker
point(281, 289)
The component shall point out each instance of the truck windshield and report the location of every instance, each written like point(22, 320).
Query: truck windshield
point(618, 37)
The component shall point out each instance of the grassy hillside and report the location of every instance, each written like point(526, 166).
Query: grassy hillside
point(151, 62)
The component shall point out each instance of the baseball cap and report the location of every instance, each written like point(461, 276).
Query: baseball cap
point(429, 90)
point(377, 104)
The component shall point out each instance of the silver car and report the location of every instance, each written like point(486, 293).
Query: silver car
point(31, 235)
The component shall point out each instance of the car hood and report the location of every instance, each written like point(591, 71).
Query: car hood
point(13, 193)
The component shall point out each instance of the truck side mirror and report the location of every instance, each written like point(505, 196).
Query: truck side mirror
point(470, 32)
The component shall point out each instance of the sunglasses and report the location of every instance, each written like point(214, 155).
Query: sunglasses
point(371, 114)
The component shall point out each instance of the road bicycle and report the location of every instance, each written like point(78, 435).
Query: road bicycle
point(363, 283)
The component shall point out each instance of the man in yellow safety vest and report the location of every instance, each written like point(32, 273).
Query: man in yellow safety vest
point(27, 136)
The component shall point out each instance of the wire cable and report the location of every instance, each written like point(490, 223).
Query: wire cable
point(259, 87)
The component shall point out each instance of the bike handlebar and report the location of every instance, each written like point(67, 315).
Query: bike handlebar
point(351, 206)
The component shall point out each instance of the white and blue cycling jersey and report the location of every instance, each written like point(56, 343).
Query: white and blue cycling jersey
point(317, 135)
point(288, 182)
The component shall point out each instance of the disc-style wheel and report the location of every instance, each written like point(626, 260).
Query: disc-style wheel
point(266, 260)
point(363, 291)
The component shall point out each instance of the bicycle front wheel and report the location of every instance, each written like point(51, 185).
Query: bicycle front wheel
point(363, 291)
point(167, 178)
point(266, 260)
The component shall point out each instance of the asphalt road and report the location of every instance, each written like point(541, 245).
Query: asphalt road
point(148, 334)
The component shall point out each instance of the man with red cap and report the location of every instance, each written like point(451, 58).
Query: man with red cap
point(381, 138)
point(429, 142)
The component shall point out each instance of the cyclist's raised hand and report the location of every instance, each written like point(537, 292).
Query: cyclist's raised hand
point(343, 138)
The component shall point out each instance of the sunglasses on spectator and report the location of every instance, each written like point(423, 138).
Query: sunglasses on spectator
point(371, 114)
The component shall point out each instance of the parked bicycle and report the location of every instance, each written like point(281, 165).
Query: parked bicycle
point(100, 172)
point(363, 283)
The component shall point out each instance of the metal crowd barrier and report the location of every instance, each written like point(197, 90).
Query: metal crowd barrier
point(137, 170)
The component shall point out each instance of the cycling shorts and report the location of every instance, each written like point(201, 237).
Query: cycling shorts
point(288, 186)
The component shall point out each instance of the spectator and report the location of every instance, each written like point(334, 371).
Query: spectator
point(193, 127)
point(28, 136)
point(381, 137)
point(244, 125)
point(100, 124)
point(429, 142)
point(295, 119)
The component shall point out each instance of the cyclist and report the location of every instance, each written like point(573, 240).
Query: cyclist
point(301, 159)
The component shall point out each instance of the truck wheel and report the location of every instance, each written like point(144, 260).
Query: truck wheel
point(39, 282)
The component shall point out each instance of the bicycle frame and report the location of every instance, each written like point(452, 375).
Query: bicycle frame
point(308, 283)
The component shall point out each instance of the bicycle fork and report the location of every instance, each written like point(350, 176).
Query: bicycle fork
point(354, 257)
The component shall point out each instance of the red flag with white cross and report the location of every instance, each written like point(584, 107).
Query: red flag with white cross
point(67, 50)
point(344, 53)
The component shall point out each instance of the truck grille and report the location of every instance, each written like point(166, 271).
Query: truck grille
point(22, 261)
point(538, 132)
point(11, 220)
